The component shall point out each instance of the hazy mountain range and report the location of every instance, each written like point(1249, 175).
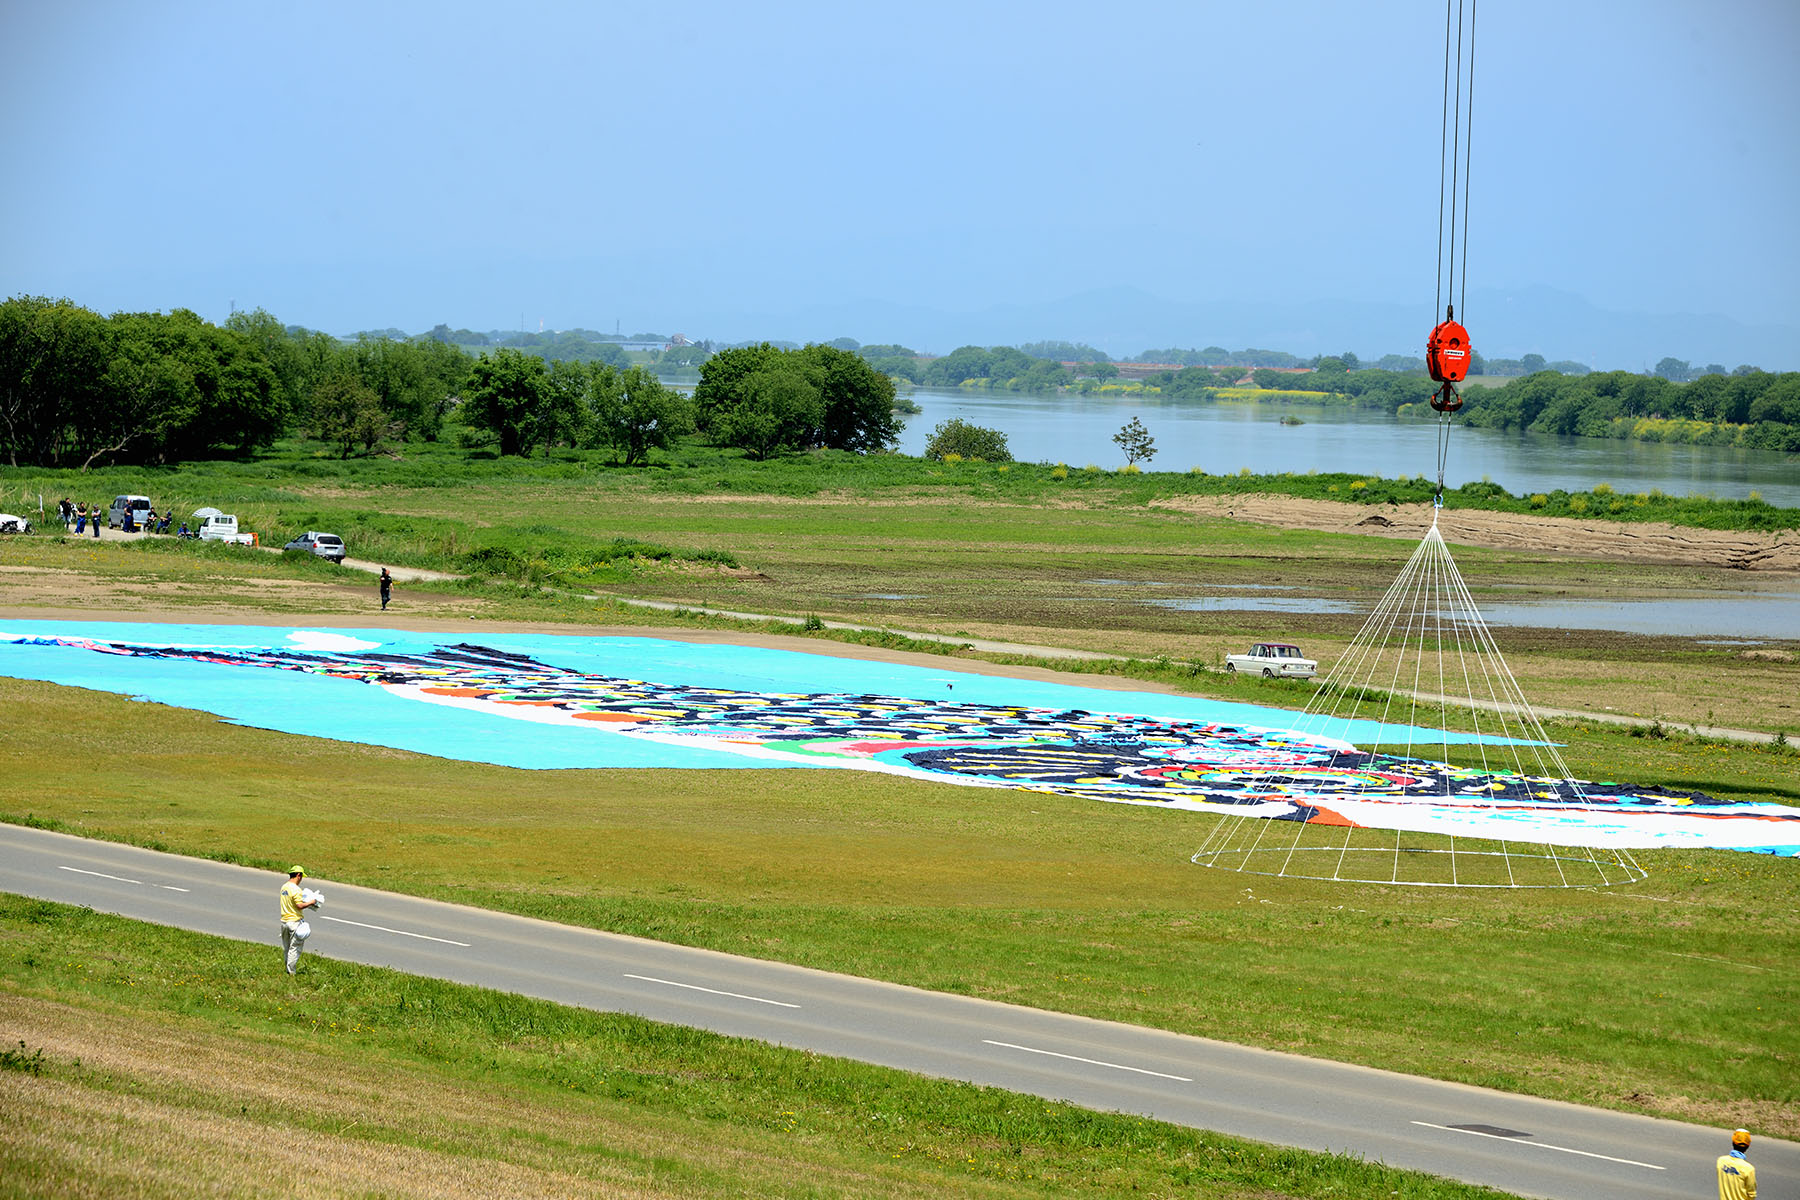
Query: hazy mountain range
point(1124, 321)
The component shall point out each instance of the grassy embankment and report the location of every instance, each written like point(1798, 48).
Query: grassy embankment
point(172, 1064)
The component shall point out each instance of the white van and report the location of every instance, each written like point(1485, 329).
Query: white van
point(136, 505)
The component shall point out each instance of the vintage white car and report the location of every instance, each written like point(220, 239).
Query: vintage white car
point(1273, 660)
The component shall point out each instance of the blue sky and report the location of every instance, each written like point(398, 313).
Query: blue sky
point(792, 170)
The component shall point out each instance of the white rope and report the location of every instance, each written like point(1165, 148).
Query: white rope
point(1424, 659)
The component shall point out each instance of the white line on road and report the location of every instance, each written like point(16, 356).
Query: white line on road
point(1630, 1162)
point(1090, 1061)
point(101, 874)
point(694, 987)
point(402, 932)
point(169, 887)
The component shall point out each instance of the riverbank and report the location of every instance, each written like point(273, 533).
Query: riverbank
point(1638, 541)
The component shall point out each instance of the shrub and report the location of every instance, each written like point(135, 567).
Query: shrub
point(958, 437)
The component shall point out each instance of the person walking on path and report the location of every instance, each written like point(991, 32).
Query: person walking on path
point(1737, 1178)
point(387, 588)
point(294, 929)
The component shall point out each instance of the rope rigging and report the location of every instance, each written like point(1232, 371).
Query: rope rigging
point(1448, 354)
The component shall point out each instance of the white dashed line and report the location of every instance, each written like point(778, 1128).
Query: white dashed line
point(101, 875)
point(694, 987)
point(401, 932)
point(1630, 1162)
point(1093, 1062)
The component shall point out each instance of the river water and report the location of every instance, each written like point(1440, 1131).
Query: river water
point(1220, 437)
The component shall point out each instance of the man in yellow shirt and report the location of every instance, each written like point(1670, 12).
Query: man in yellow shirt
point(1737, 1178)
point(294, 929)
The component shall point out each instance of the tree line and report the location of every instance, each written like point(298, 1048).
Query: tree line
point(1749, 407)
point(1757, 409)
point(78, 389)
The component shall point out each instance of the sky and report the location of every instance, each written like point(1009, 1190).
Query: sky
point(813, 171)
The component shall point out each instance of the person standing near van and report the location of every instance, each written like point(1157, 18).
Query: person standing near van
point(294, 929)
point(387, 588)
point(96, 520)
point(81, 518)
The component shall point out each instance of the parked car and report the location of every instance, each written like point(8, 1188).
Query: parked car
point(137, 506)
point(1272, 660)
point(326, 545)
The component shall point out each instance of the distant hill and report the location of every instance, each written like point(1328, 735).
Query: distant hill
point(1125, 321)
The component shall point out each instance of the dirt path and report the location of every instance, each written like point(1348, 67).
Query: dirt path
point(1651, 541)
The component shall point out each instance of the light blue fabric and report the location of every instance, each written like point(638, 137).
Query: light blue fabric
point(351, 711)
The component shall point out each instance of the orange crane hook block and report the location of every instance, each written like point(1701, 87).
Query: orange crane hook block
point(1447, 357)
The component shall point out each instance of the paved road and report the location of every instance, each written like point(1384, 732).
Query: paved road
point(1532, 1147)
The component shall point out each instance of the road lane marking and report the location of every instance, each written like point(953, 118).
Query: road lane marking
point(100, 874)
point(1090, 1061)
point(402, 932)
point(1630, 1162)
point(694, 987)
point(169, 887)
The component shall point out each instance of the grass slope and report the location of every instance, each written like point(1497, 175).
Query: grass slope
point(154, 1063)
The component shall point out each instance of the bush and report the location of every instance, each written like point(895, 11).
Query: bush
point(958, 437)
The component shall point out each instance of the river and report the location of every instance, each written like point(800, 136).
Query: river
point(1221, 437)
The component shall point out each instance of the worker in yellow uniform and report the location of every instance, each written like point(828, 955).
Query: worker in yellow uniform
point(1737, 1178)
point(294, 927)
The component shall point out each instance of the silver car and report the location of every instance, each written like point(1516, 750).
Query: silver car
point(326, 545)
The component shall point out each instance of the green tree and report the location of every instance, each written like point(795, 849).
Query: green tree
point(634, 414)
point(280, 349)
point(681, 356)
point(54, 401)
point(1135, 441)
point(1058, 351)
point(956, 436)
point(194, 390)
point(504, 396)
point(779, 409)
point(858, 400)
point(347, 413)
point(562, 418)
point(722, 382)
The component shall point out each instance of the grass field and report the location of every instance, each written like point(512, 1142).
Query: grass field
point(1672, 996)
point(151, 1064)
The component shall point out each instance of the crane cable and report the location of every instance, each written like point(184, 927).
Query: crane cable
point(1453, 167)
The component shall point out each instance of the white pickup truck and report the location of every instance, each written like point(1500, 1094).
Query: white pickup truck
point(216, 526)
point(1274, 660)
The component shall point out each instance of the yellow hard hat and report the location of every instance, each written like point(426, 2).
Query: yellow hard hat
point(1740, 1139)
